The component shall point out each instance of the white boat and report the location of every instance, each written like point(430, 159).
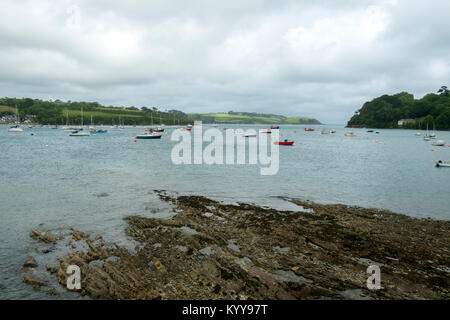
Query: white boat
point(265, 131)
point(324, 131)
point(121, 127)
point(149, 134)
point(350, 134)
point(441, 163)
point(418, 134)
point(439, 143)
point(16, 127)
point(80, 133)
point(433, 135)
point(333, 131)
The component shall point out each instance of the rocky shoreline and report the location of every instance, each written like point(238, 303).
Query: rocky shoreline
point(212, 250)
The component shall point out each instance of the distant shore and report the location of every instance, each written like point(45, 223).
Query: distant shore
point(211, 250)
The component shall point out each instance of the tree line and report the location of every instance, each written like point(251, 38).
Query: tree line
point(385, 111)
point(58, 112)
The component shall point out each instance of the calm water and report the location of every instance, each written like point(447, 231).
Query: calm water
point(53, 181)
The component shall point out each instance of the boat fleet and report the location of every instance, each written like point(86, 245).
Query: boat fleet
point(157, 133)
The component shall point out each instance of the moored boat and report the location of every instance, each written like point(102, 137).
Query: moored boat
point(268, 131)
point(441, 163)
point(325, 131)
point(16, 127)
point(285, 143)
point(350, 134)
point(275, 127)
point(79, 133)
point(149, 135)
point(309, 129)
point(439, 143)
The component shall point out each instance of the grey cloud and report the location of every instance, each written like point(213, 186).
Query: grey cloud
point(323, 58)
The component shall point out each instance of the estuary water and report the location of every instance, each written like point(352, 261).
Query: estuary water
point(51, 181)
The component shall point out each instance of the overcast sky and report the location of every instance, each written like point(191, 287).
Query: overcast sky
point(321, 58)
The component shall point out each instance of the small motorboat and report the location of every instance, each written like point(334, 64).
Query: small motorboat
point(441, 163)
point(324, 131)
point(15, 128)
point(99, 131)
point(79, 133)
point(418, 134)
point(285, 143)
point(350, 134)
point(309, 129)
point(333, 131)
point(149, 135)
point(370, 131)
point(275, 127)
point(159, 129)
point(439, 143)
point(265, 131)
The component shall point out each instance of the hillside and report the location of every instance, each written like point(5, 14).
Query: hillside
point(56, 112)
point(387, 110)
point(250, 118)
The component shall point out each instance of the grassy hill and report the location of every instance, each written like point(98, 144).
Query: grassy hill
point(7, 110)
point(57, 111)
point(250, 118)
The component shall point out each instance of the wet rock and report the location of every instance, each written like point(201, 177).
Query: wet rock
point(33, 279)
point(46, 236)
point(51, 269)
point(30, 262)
point(263, 253)
point(78, 235)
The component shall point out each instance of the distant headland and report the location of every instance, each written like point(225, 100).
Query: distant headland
point(403, 111)
point(56, 112)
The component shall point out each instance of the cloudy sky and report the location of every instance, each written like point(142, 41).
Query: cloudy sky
point(321, 58)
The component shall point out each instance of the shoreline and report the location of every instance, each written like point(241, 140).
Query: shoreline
point(211, 250)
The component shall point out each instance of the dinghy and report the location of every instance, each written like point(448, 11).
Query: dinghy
point(439, 143)
point(441, 163)
point(285, 143)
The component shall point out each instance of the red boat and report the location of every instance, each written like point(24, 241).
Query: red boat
point(285, 143)
point(309, 129)
point(274, 127)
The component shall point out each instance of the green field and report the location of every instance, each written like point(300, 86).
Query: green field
point(7, 109)
point(250, 119)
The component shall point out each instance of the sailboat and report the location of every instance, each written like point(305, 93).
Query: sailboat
point(16, 127)
point(80, 133)
point(121, 127)
point(427, 135)
point(433, 135)
point(159, 129)
point(93, 128)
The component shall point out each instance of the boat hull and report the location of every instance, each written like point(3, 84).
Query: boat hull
point(289, 143)
point(148, 137)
